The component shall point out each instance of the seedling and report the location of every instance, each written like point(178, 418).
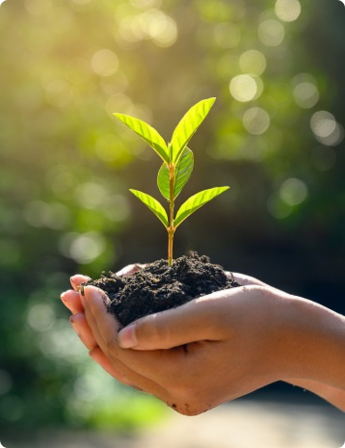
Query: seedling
point(178, 163)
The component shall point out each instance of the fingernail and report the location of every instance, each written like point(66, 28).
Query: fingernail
point(127, 337)
point(76, 276)
point(72, 278)
point(62, 297)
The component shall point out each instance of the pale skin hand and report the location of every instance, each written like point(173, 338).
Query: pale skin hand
point(220, 346)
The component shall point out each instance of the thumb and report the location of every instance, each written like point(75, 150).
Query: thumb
point(188, 323)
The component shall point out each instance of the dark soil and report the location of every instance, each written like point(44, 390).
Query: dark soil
point(158, 287)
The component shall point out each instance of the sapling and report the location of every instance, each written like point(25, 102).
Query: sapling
point(178, 163)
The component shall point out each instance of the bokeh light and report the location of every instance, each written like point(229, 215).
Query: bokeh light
point(243, 88)
point(253, 61)
point(306, 95)
point(105, 62)
point(42, 214)
point(278, 208)
point(288, 10)
point(151, 24)
point(256, 120)
point(271, 32)
point(83, 248)
point(326, 129)
point(41, 317)
point(293, 191)
point(323, 124)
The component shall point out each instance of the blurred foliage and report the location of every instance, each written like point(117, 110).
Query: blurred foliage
point(275, 135)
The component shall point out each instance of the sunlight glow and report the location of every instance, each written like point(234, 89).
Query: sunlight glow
point(151, 24)
point(81, 2)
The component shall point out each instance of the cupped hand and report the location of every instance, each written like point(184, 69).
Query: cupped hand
point(217, 356)
point(73, 300)
point(194, 357)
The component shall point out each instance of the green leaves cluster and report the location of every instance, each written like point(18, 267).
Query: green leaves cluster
point(178, 164)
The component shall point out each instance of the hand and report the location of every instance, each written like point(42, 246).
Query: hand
point(328, 384)
point(220, 379)
point(72, 300)
point(210, 368)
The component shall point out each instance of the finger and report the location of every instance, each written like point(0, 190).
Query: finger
point(77, 279)
point(84, 332)
point(187, 323)
point(103, 324)
point(142, 368)
point(97, 355)
point(82, 328)
point(246, 279)
point(71, 300)
point(130, 269)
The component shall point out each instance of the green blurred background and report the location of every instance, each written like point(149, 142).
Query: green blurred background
point(275, 135)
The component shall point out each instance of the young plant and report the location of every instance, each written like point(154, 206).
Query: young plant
point(178, 163)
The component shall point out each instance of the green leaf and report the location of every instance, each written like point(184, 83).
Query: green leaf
point(153, 205)
point(198, 200)
point(148, 133)
point(187, 127)
point(183, 171)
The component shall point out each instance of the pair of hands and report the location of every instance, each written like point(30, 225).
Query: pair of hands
point(211, 350)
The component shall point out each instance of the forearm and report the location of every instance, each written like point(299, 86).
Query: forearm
point(315, 347)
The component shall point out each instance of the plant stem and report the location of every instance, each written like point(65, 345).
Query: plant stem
point(171, 229)
point(170, 247)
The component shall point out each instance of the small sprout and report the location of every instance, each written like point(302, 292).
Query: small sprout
point(178, 163)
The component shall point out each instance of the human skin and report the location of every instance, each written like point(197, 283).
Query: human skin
point(219, 347)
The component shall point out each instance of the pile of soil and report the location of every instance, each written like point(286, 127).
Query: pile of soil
point(158, 287)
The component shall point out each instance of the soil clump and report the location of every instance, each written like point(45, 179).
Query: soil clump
point(158, 287)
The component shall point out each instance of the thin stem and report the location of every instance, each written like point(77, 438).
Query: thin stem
point(171, 229)
point(170, 247)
